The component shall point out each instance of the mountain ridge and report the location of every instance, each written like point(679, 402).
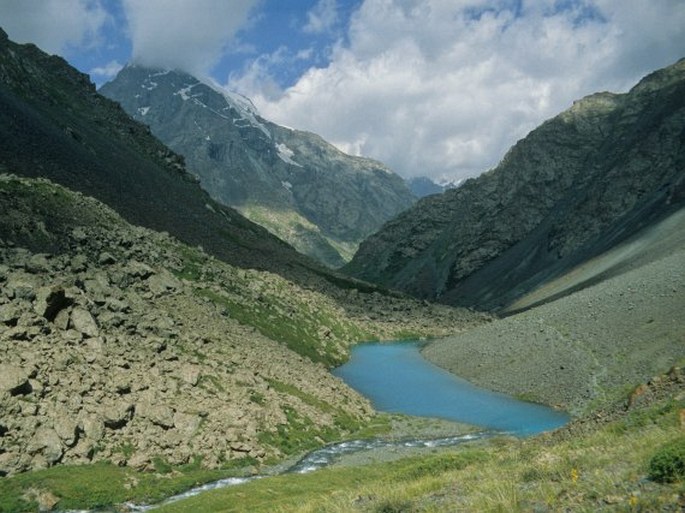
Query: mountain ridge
point(294, 183)
point(575, 186)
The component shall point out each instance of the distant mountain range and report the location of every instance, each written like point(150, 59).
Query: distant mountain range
point(578, 185)
point(294, 183)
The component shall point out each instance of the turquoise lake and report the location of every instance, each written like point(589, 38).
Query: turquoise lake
point(397, 379)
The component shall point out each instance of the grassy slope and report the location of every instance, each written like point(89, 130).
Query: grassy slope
point(603, 468)
point(601, 471)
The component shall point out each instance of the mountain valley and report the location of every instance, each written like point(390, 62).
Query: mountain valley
point(154, 339)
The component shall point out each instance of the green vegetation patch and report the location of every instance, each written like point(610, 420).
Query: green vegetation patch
point(668, 463)
point(603, 470)
point(99, 485)
point(298, 326)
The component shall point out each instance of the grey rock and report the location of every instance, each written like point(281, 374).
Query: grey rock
point(106, 258)
point(38, 263)
point(10, 314)
point(116, 415)
point(14, 379)
point(66, 429)
point(139, 270)
point(47, 442)
point(163, 283)
point(79, 234)
point(158, 414)
point(190, 374)
point(50, 301)
point(94, 427)
point(186, 423)
point(82, 321)
point(79, 263)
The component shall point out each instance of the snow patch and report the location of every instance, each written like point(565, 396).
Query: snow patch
point(243, 105)
point(286, 155)
point(184, 92)
point(149, 84)
point(287, 185)
point(143, 110)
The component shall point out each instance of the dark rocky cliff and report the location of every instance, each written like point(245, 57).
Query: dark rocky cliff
point(574, 187)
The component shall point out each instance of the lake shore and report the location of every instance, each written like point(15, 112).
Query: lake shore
point(583, 350)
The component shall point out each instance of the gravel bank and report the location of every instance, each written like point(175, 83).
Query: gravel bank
point(582, 350)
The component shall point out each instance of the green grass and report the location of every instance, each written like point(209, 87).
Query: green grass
point(298, 326)
point(100, 485)
point(605, 470)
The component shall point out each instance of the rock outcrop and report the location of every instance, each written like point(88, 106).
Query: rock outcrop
point(576, 186)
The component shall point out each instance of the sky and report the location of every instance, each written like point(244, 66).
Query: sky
point(437, 88)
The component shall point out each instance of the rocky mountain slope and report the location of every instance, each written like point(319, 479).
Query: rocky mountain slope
point(54, 124)
point(294, 183)
point(119, 343)
point(589, 347)
point(422, 186)
point(575, 187)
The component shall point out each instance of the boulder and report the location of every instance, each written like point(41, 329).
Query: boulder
point(37, 264)
point(137, 269)
point(186, 423)
point(10, 314)
point(106, 258)
point(94, 427)
point(117, 415)
point(159, 414)
point(82, 321)
point(66, 428)
point(14, 379)
point(190, 374)
point(163, 283)
point(48, 444)
point(50, 301)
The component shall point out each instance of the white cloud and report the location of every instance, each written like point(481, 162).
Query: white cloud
point(185, 34)
point(107, 71)
point(445, 87)
point(322, 17)
point(53, 25)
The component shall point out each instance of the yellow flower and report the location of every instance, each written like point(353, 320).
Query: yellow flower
point(574, 474)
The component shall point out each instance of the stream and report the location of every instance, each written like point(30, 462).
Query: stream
point(397, 379)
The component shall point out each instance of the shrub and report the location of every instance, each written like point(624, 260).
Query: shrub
point(394, 506)
point(668, 463)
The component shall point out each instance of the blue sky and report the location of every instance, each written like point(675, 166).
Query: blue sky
point(440, 88)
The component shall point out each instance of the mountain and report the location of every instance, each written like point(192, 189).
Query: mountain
point(575, 187)
point(143, 323)
point(54, 124)
point(422, 186)
point(294, 183)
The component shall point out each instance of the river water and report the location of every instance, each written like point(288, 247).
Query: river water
point(397, 379)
